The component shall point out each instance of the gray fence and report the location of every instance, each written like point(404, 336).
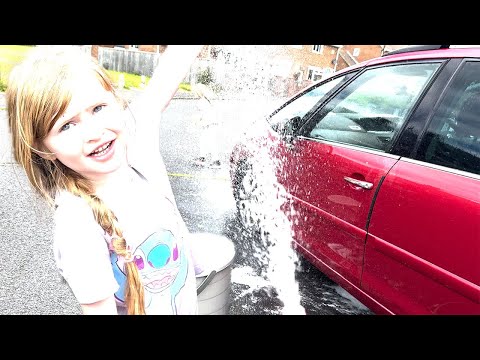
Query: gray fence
point(129, 61)
point(136, 62)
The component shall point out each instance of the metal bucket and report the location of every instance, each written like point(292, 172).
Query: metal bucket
point(216, 254)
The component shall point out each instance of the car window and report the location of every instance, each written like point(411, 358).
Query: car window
point(372, 108)
point(304, 103)
point(452, 138)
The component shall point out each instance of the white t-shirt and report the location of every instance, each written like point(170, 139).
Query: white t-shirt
point(152, 226)
point(157, 235)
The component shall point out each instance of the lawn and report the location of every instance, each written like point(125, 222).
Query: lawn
point(10, 55)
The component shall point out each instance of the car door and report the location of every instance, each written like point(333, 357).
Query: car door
point(423, 248)
point(337, 160)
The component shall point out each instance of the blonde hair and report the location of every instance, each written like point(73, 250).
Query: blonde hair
point(38, 92)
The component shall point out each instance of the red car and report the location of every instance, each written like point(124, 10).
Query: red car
point(378, 166)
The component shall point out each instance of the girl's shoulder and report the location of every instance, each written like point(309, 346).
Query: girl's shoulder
point(72, 208)
point(156, 175)
point(74, 220)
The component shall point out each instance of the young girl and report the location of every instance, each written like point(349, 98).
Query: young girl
point(119, 240)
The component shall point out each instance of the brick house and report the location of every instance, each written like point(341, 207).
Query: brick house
point(309, 63)
point(293, 67)
point(352, 54)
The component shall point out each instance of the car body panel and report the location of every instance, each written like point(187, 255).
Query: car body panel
point(433, 262)
point(332, 213)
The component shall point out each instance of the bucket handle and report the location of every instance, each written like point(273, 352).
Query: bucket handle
point(205, 282)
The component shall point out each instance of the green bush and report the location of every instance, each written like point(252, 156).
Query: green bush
point(205, 76)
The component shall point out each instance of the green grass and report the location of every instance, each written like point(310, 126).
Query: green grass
point(130, 80)
point(135, 81)
point(10, 55)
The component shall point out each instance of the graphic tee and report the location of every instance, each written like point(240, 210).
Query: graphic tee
point(156, 234)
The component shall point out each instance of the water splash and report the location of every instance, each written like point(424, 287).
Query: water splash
point(244, 73)
point(277, 259)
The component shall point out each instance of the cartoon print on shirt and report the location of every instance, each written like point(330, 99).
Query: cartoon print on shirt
point(162, 266)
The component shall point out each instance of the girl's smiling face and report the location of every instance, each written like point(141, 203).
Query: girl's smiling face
point(89, 137)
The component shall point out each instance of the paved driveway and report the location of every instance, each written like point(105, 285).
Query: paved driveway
point(30, 283)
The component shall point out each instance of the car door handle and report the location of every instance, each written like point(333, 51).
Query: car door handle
point(362, 184)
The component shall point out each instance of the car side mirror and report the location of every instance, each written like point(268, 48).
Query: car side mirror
point(290, 128)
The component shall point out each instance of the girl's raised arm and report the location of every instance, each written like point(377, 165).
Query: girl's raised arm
point(171, 69)
point(147, 107)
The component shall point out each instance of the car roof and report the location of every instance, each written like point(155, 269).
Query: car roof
point(454, 51)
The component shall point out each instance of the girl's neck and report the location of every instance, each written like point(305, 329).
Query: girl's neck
point(114, 182)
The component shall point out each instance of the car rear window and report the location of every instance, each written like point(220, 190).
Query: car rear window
point(452, 138)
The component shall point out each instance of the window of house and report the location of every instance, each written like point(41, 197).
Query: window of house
point(356, 51)
point(314, 73)
point(317, 49)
